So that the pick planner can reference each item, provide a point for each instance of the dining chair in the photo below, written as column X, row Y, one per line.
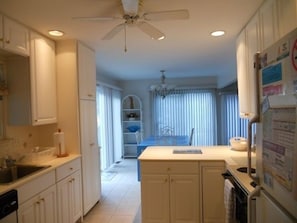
column 191, row 137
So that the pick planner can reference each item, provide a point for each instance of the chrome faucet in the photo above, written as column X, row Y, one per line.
column 8, row 162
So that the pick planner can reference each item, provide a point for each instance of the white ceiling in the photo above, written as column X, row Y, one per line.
column 187, row 51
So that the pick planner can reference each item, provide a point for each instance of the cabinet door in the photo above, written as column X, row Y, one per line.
column 269, row 23
column 39, row 209
column 252, row 31
column 76, row 196
column 86, row 72
column 27, row 212
column 69, row 199
column 47, row 206
column 155, row 198
column 241, row 55
column 287, row 13
column 16, row 37
column 1, row 32
column 184, row 198
column 212, row 193
column 90, row 154
column 43, row 80
column 64, row 200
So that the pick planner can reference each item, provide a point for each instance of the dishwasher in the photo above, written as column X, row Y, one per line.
column 8, row 207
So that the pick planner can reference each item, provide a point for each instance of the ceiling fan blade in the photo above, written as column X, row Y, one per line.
column 114, row 31
column 130, row 7
column 97, row 18
column 150, row 30
column 167, row 15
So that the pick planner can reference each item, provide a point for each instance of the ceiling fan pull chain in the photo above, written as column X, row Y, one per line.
column 125, row 38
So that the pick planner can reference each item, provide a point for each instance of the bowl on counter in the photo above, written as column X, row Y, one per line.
column 238, row 143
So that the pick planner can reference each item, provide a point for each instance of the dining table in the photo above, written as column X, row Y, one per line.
column 164, row 140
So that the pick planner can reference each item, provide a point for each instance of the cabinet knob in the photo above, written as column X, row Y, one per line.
column 71, row 168
column 168, row 169
column 165, row 180
column 7, row 41
column 1, row 39
column 90, row 95
column 92, row 144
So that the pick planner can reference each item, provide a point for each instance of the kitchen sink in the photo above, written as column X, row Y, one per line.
column 187, row 151
column 16, row 172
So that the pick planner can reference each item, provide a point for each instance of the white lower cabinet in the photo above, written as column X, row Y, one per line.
column 69, row 199
column 54, row 197
column 212, row 191
column 37, row 200
column 170, row 192
column 69, row 192
column 39, row 209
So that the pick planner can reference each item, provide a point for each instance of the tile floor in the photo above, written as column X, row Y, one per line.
column 120, row 200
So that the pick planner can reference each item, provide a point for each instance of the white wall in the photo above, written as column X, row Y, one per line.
column 225, row 80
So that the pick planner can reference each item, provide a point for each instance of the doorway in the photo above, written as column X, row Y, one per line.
column 109, row 125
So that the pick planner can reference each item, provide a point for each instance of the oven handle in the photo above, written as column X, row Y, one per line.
column 253, row 194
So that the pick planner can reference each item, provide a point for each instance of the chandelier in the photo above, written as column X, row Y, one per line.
column 162, row 89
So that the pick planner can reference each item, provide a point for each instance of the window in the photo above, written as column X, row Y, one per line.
column 184, row 110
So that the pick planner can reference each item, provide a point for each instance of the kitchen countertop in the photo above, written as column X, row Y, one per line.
column 233, row 159
column 53, row 165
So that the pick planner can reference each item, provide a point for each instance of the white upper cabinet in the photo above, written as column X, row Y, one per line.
column 269, row 23
column 14, row 37
column 87, row 72
column 274, row 19
column 43, row 80
column 32, row 96
column 287, row 13
column 248, row 44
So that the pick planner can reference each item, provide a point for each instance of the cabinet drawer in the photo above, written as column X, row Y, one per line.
column 155, row 167
column 35, row 186
column 67, row 169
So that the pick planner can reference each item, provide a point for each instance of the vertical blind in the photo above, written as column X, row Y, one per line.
column 232, row 124
column 186, row 109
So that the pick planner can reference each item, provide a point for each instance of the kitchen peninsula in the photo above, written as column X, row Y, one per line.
column 187, row 186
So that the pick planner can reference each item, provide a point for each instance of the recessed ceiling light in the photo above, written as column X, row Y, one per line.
column 56, row 33
column 218, row 33
column 161, row 38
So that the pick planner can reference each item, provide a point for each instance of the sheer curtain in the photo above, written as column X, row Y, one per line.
column 187, row 109
column 109, row 125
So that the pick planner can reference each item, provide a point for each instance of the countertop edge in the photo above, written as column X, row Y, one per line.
column 54, row 164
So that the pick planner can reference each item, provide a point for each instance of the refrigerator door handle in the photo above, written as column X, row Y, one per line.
column 256, row 118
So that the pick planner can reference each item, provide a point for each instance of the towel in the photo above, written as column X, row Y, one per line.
column 229, row 201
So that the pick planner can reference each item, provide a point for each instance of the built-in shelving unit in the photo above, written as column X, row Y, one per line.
column 131, row 117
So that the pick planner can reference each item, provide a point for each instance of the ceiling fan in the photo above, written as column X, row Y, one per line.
column 132, row 17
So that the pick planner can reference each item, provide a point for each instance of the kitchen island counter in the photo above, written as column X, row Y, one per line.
column 208, row 153
column 233, row 159
column 178, row 182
